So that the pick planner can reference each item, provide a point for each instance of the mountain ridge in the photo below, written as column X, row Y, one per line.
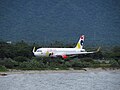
column 65, row 20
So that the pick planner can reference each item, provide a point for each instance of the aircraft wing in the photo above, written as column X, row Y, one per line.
column 75, row 53
column 72, row 53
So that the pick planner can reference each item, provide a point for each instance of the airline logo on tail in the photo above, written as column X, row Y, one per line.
column 80, row 42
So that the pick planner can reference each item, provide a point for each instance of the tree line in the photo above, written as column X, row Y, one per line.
column 19, row 56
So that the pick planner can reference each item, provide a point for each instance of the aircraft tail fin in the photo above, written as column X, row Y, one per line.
column 80, row 42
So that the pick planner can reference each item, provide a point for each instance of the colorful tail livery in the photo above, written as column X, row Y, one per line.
column 80, row 42
column 63, row 52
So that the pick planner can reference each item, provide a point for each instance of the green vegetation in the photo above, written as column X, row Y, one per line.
column 3, row 68
column 20, row 56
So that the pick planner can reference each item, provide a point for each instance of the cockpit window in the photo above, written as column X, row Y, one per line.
column 39, row 50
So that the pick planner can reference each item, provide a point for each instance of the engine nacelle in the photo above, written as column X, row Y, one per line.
column 64, row 56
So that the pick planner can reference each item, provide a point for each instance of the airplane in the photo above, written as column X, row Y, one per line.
column 63, row 52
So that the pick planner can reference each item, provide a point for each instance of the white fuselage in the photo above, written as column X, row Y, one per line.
column 62, row 52
column 53, row 52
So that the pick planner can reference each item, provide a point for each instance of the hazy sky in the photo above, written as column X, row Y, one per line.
column 60, row 20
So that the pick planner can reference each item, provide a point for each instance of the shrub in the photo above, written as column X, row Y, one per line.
column 119, row 62
column 68, row 64
column 3, row 68
column 21, row 59
column 8, row 63
column 32, row 64
column 87, row 60
column 114, row 63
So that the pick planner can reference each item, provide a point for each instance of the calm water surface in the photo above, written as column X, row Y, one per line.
column 104, row 80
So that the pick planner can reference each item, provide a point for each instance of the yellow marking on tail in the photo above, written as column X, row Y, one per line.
column 78, row 45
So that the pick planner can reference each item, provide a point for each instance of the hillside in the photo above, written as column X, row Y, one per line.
column 61, row 20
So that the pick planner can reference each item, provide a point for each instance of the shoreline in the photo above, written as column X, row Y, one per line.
column 14, row 71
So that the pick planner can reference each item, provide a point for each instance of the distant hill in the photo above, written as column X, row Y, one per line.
column 60, row 20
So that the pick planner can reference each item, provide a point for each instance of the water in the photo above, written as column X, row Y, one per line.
column 104, row 80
